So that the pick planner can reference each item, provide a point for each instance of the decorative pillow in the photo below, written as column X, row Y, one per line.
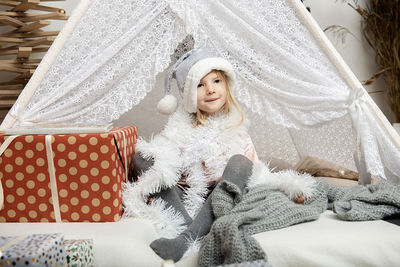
column 321, row 168
column 339, row 181
column 277, row 165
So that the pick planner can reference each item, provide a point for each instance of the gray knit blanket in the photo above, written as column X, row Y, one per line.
column 239, row 215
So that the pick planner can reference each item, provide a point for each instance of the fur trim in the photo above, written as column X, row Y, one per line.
column 194, row 247
column 165, row 171
column 292, row 183
column 166, row 220
column 197, row 72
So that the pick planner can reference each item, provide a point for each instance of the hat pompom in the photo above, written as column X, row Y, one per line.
column 167, row 104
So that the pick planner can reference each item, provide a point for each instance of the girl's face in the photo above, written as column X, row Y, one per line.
column 211, row 92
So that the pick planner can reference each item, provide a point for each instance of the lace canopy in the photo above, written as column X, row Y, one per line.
column 295, row 97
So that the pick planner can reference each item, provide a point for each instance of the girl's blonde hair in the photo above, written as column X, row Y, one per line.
column 202, row 118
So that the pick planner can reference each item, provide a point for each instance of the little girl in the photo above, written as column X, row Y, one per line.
column 205, row 141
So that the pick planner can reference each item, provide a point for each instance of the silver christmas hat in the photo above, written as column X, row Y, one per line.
column 188, row 71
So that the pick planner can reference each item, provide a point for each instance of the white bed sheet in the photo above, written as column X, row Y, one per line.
column 325, row 242
column 333, row 242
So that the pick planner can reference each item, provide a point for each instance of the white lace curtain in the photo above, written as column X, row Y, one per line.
column 111, row 60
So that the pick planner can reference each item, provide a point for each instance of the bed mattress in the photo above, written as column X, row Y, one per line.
column 327, row 241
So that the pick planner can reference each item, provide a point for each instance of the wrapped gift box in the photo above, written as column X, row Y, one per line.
column 53, row 178
column 79, row 253
column 33, row 250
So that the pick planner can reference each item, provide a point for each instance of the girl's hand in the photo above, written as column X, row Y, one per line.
column 301, row 199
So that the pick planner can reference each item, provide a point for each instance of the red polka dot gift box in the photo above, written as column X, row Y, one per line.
column 65, row 178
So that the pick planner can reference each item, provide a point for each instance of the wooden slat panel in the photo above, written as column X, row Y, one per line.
column 26, row 74
column 57, row 16
column 25, row 5
column 19, row 60
column 27, row 66
column 21, row 66
column 41, row 41
column 34, row 26
column 9, row 3
column 15, row 81
column 12, row 87
column 11, row 21
column 32, row 34
column 10, row 68
column 40, row 49
column 9, row 52
column 47, row 8
column 11, row 40
column 10, row 92
column 31, row 43
column 15, row 51
column 24, row 52
column 11, row 14
column 7, row 103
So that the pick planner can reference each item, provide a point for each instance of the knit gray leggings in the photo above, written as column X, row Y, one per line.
column 237, row 171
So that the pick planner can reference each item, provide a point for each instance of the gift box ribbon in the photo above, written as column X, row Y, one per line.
column 53, row 182
column 11, row 242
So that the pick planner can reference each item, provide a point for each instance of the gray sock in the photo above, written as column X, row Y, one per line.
column 173, row 249
column 238, row 170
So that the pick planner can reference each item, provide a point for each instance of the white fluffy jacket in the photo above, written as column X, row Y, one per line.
column 182, row 148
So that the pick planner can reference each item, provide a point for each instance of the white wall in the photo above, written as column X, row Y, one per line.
column 355, row 50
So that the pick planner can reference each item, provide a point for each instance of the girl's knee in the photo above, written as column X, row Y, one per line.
column 239, row 165
column 239, row 161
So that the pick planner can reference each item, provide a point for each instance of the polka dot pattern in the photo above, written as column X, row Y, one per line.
column 88, row 170
column 24, row 169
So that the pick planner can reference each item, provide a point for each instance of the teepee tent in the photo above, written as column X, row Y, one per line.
column 300, row 96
